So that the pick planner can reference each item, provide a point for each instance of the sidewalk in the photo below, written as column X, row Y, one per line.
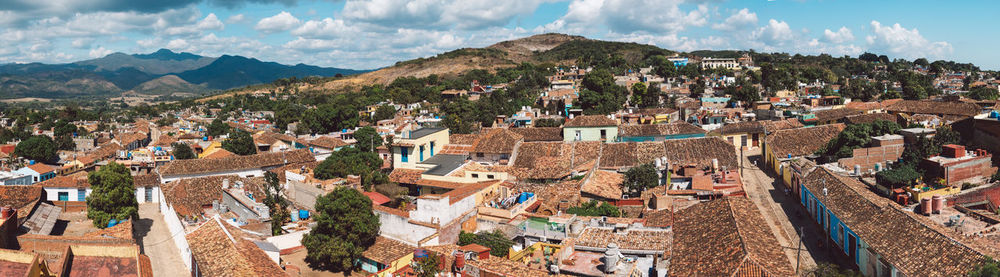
column 154, row 237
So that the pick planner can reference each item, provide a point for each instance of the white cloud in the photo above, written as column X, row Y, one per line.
column 82, row 43
column 738, row 21
column 775, row 32
column 437, row 14
column 907, row 43
column 280, row 22
column 98, row 52
column 210, row 22
column 238, row 18
column 840, row 36
column 662, row 17
column 326, row 28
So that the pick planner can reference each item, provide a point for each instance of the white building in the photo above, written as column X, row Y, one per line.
column 727, row 63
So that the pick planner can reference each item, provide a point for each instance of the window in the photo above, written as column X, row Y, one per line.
column 149, row 194
column 743, row 140
column 63, row 196
column 81, row 195
column 604, row 134
column 474, row 175
column 432, row 149
column 480, row 155
column 421, row 153
column 404, row 152
column 578, row 136
column 490, row 177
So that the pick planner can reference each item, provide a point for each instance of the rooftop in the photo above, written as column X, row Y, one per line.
column 222, row 250
column 801, row 141
column 590, row 121
column 444, row 164
column 422, row 132
column 235, row 163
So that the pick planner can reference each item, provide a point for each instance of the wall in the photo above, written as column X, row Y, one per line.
column 303, row 194
column 439, row 138
column 868, row 157
column 176, row 229
column 399, row 228
column 590, row 133
column 441, row 211
column 140, row 194
column 52, row 194
column 239, row 208
column 246, row 173
column 957, row 172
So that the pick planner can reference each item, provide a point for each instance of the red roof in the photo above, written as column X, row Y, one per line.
column 474, row 248
column 377, row 198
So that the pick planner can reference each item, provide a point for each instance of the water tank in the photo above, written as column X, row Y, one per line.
column 611, row 258
column 304, row 214
column 925, row 206
column 459, row 261
column 420, row 253
column 937, row 203
column 112, row 223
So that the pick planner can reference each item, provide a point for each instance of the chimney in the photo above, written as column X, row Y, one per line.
column 611, row 258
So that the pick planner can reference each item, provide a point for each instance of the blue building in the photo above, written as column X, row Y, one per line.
column 39, row 172
column 876, row 234
column 679, row 62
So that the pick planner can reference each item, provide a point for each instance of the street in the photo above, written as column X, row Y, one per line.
column 783, row 214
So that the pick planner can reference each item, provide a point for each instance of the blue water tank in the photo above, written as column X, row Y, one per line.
column 295, row 217
column 31, row 162
column 303, row 214
column 994, row 114
column 112, row 223
column 420, row 253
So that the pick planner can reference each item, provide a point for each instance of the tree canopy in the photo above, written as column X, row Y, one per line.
column 217, row 128
column 385, row 112
column 345, row 227
column 983, row 93
column 240, row 143
column 182, row 151
column 600, row 94
column 640, row 178
column 367, row 139
column 112, row 195
column 276, row 202
column 595, row 208
column 853, row 137
column 498, row 243
column 352, row 161
column 38, row 148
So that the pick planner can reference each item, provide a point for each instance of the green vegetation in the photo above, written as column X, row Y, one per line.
column 385, row 112
column 595, row 208
column 182, row 151
column 983, row 93
column 218, row 127
column 600, row 94
column 640, row 178
column 615, row 56
column 275, row 201
column 548, row 122
column 989, row 268
column 38, row 148
column 368, row 139
column 907, row 171
column 853, row 137
column 429, row 266
column 352, row 161
column 240, row 143
column 464, row 52
column 498, row 243
column 112, row 195
column 345, row 227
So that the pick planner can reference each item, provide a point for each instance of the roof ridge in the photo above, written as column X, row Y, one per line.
column 732, row 215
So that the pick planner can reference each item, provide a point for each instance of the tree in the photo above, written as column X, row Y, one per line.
column 697, row 88
column 640, row 178
column 868, row 57
column 64, row 142
column 368, row 139
column 218, row 127
column 345, row 227
column 498, row 243
column 664, row 67
column 638, row 93
column 743, row 92
column 428, row 266
column 989, row 268
column 459, row 116
column 240, row 143
column 182, row 151
column 548, row 122
column 385, row 112
column 37, row 148
column 983, row 93
column 600, row 94
column 899, row 176
column 112, row 195
column 274, row 199
column 352, row 161
column 595, row 208
column 831, row 270
column 853, row 137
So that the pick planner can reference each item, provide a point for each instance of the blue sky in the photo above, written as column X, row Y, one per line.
column 364, row 34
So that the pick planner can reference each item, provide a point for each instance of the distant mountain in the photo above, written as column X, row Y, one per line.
column 167, row 85
column 159, row 73
column 157, row 63
column 235, row 71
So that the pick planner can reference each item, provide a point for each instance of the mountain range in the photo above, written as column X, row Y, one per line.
column 163, row 72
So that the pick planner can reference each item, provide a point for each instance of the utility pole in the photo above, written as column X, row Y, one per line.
column 798, row 250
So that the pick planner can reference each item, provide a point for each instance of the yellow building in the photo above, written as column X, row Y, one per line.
column 19, row 263
column 417, row 146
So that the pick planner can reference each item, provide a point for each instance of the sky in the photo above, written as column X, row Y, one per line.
column 369, row 34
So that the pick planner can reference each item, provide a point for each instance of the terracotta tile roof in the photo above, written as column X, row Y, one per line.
column 643, row 130
column 590, row 121
column 120, row 231
column 165, row 140
column 935, row 107
column 456, row 149
column 405, row 176
column 743, row 127
column 801, row 141
column 543, row 160
column 75, row 180
column 617, row 155
column 835, row 114
column 882, row 225
column 328, row 142
column 605, row 184
column 869, row 118
column 377, row 198
column 189, row 196
column 662, row 218
column 540, row 133
column 222, row 250
column 500, row 266
column 388, row 210
column 260, row 160
column 771, row 126
column 41, row 168
column 650, row 240
column 106, row 150
column 463, row 139
column 497, row 141
column 386, row 250
column 656, row 111
column 219, row 153
column 700, row 152
column 20, row 197
column 717, row 238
